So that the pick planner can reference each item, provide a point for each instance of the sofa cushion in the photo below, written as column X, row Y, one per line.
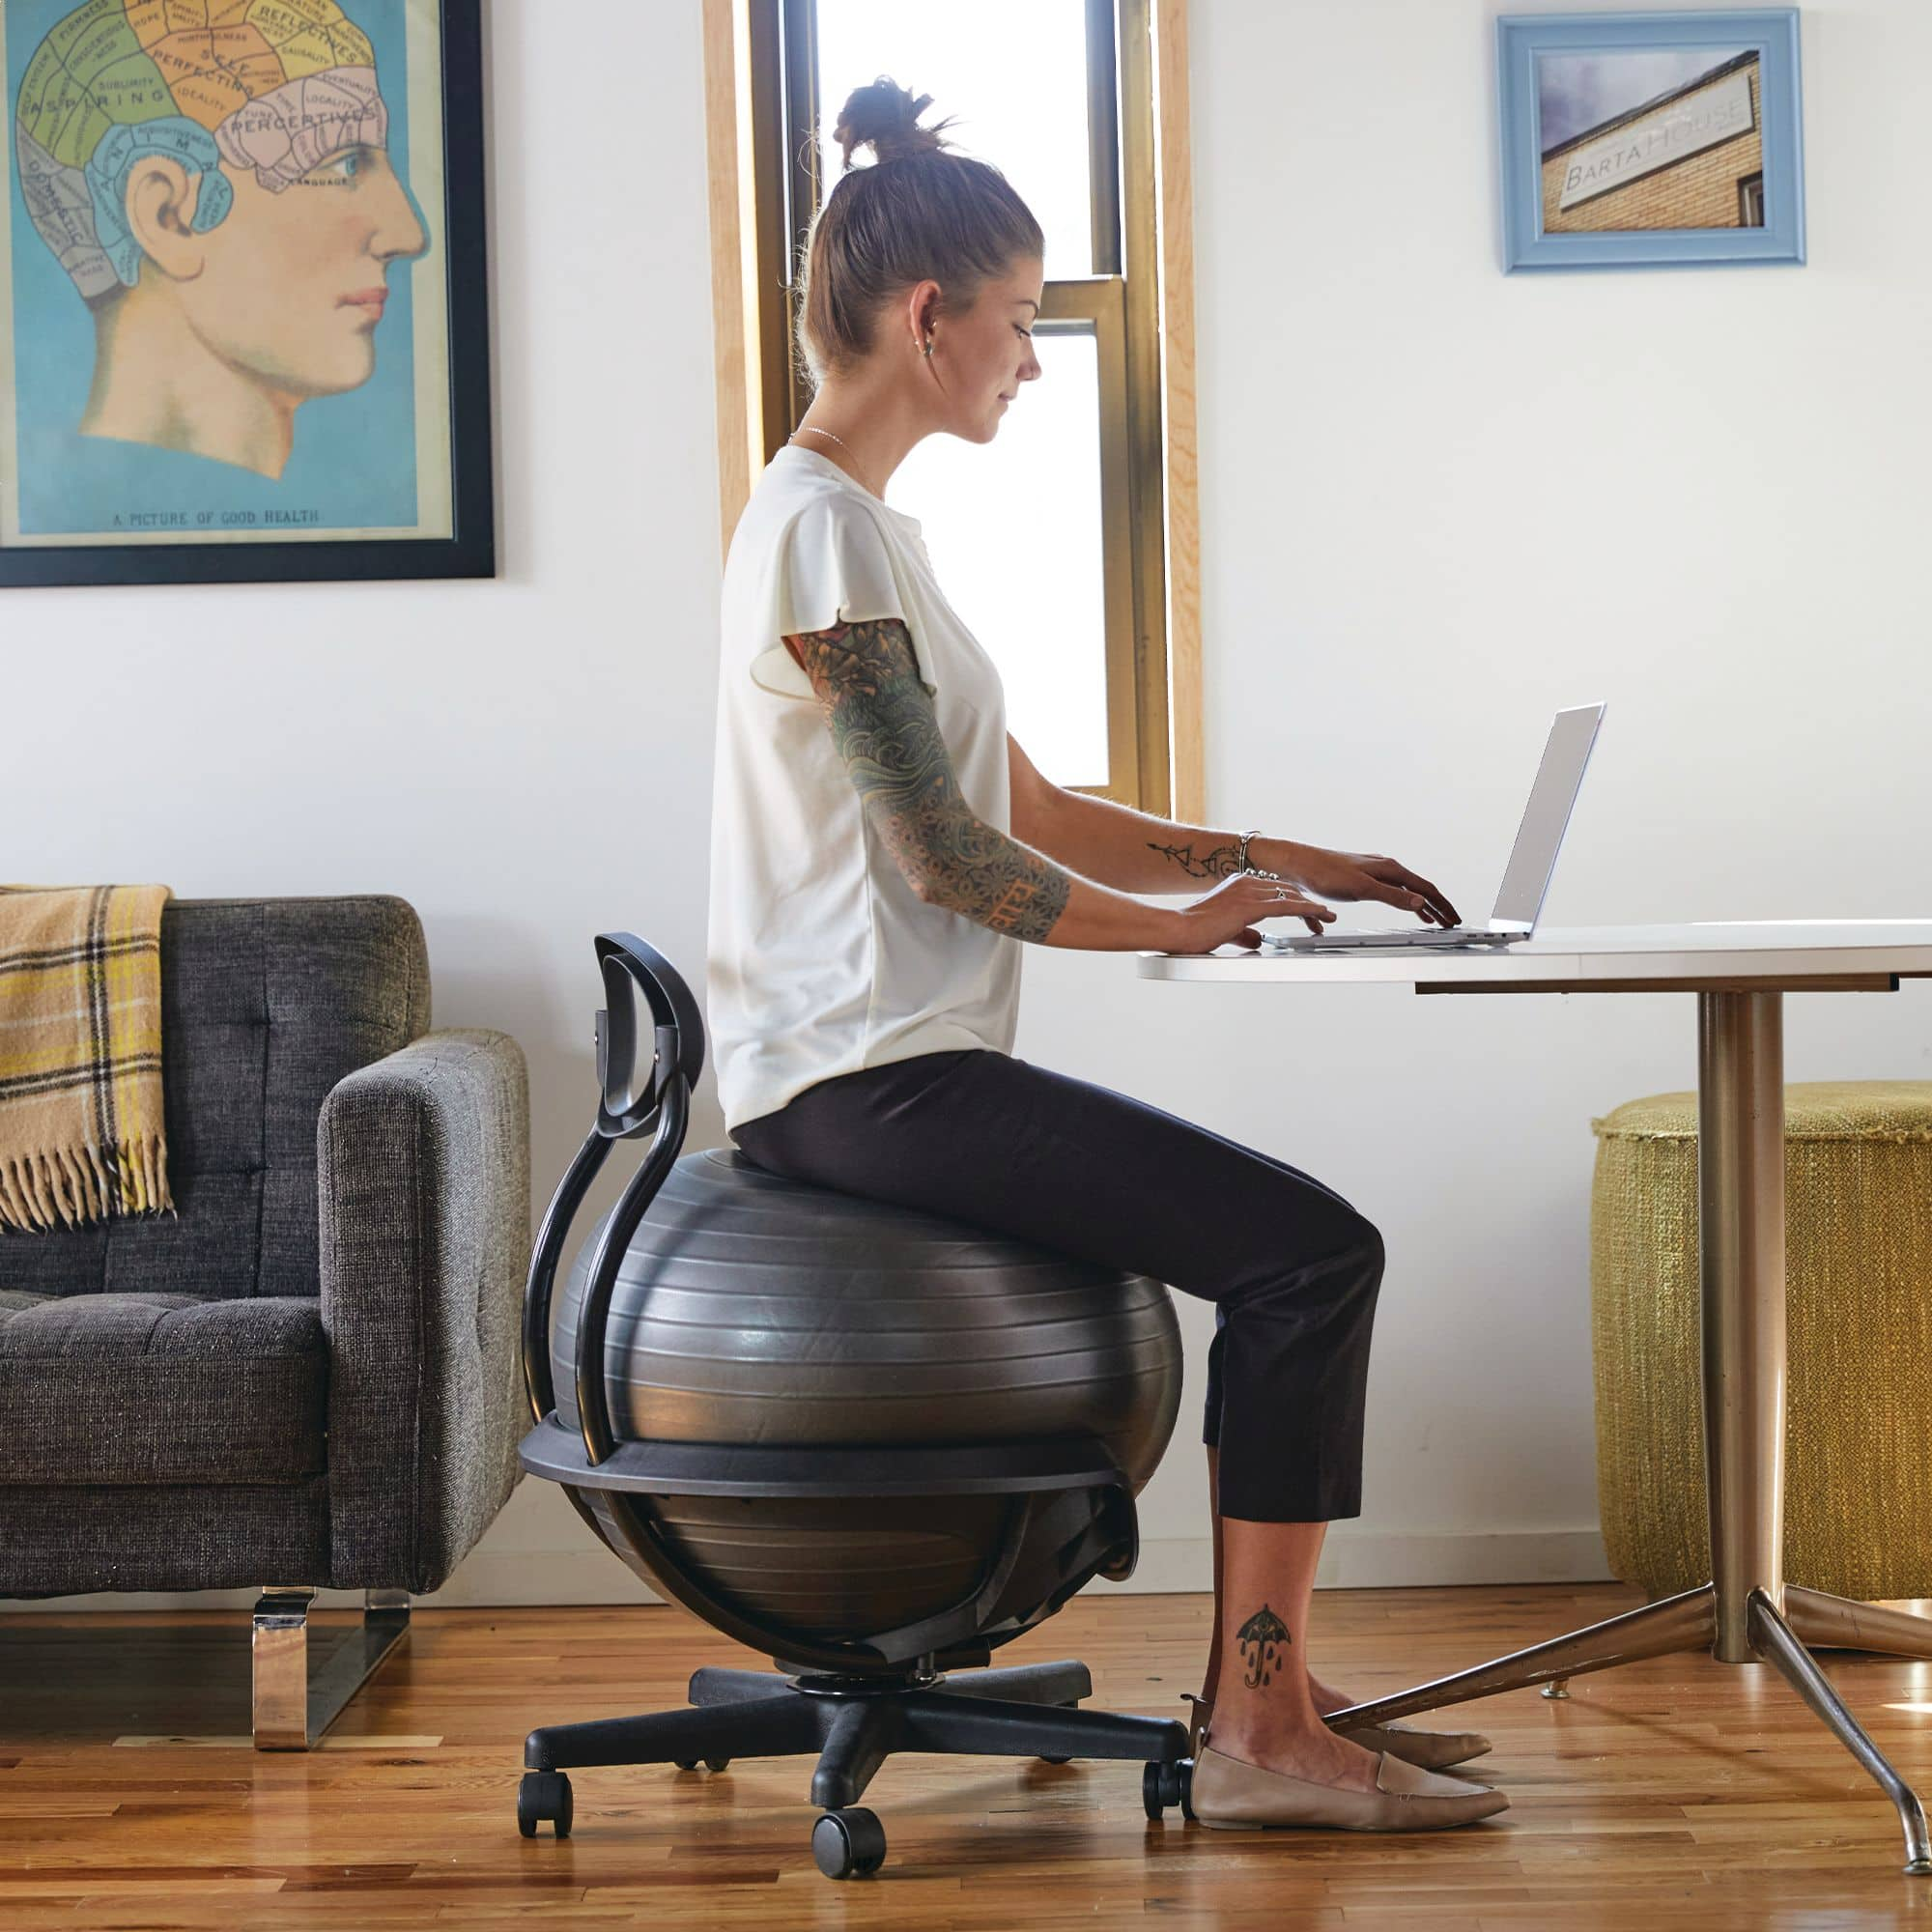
column 265, row 1004
column 161, row 1388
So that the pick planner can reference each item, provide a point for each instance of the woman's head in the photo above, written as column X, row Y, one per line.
column 925, row 261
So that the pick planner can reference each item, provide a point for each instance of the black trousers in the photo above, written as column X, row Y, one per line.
column 1292, row 1269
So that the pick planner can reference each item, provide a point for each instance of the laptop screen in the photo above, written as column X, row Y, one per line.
column 1534, row 857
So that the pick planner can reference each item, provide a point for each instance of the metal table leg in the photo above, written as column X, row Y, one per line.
column 1747, row 1611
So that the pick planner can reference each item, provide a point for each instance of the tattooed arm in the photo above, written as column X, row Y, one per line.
column 1132, row 850
column 866, row 681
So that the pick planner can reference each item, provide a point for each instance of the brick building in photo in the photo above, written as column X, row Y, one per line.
column 1689, row 159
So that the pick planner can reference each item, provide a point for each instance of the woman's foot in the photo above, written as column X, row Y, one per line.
column 1325, row 1699
column 1431, row 1750
column 1313, row 1754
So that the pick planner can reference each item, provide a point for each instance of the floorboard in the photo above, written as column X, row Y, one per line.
column 1665, row 1796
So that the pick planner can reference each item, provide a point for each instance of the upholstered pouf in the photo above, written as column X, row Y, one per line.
column 1858, row 1319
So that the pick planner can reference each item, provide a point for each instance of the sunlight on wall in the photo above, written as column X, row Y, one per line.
column 1013, row 527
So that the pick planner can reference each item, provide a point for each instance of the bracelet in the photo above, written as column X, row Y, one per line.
column 1241, row 859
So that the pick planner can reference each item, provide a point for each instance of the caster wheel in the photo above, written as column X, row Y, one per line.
column 1044, row 1759
column 848, row 1844
column 715, row 1762
column 540, row 1795
column 1163, row 1784
column 685, row 1763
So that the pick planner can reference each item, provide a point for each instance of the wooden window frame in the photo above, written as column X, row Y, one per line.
column 1143, row 322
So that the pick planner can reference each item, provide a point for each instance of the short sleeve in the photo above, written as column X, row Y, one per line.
column 833, row 566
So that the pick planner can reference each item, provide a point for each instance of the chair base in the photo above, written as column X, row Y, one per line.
column 290, row 1710
column 853, row 1725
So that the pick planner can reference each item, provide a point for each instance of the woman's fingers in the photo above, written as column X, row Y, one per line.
column 1421, row 896
column 1284, row 902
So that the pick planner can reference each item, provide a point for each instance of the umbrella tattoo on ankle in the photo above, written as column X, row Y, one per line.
column 1262, row 1632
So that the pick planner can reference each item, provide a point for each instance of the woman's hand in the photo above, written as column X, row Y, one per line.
column 1355, row 875
column 1228, row 913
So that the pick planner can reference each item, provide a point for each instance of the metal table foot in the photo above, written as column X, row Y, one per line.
column 1684, row 1622
column 1827, row 1622
column 1772, row 1639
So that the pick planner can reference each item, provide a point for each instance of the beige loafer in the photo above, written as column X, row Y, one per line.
column 1433, row 1750
column 1231, row 1795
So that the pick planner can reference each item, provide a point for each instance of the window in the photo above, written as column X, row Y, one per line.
column 1053, row 540
column 1751, row 202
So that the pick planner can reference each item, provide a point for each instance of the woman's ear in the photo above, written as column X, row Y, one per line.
column 159, row 201
column 922, row 308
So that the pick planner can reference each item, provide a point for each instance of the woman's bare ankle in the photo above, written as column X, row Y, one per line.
column 1323, row 1696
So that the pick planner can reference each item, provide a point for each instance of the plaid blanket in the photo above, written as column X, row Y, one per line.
column 81, row 1122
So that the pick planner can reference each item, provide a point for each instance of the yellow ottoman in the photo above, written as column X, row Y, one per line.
column 1857, row 1498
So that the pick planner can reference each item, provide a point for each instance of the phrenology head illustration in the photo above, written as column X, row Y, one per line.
column 177, row 150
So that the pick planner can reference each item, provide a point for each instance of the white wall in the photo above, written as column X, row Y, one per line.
column 1437, row 502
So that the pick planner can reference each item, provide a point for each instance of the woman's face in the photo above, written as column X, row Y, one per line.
column 294, row 281
column 984, row 356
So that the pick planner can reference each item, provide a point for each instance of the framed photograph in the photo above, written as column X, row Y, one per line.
column 1643, row 140
column 243, row 303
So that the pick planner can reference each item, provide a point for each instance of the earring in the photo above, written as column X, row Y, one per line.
column 929, row 345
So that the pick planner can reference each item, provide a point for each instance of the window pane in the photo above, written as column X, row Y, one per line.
column 1013, row 72
column 1013, row 527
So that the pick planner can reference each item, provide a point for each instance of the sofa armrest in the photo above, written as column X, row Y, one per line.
column 424, row 1179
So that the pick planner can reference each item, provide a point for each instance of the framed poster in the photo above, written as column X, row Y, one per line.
column 243, row 301
column 1641, row 140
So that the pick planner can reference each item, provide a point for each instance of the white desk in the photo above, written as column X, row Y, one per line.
column 1740, row 971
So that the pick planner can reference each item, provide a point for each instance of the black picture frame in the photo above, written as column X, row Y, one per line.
column 470, row 550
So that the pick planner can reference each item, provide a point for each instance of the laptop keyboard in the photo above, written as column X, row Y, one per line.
column 1430, row 935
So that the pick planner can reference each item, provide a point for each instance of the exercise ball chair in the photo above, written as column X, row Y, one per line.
column 871, row 1443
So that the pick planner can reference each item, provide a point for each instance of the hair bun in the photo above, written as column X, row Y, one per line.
column 884, row 117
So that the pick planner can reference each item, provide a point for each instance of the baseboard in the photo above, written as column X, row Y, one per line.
column 1350, row 1559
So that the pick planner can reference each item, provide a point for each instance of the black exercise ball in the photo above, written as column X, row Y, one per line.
column 752, row 1309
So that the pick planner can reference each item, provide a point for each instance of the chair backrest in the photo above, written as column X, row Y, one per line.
column 265, row 1004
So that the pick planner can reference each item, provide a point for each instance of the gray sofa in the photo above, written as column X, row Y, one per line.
column 311, row 1378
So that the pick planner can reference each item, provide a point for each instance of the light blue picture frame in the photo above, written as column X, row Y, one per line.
column 1522, row 39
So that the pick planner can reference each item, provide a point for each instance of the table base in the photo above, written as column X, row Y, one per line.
column 1689, row 1622
column 1747, row 1611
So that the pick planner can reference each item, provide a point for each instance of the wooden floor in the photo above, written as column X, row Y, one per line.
column 1675, row 1793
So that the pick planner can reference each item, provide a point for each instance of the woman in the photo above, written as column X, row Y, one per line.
column 881, row 847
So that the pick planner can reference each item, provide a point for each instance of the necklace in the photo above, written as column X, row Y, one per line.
column 842, row 445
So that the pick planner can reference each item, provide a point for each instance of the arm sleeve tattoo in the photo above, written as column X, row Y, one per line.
column 866, row 681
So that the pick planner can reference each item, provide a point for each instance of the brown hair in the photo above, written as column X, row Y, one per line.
column 920, row 210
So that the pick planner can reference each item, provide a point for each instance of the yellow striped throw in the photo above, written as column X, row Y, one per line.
column 81, row 1122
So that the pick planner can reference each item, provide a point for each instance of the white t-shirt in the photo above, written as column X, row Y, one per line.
column 821, row 958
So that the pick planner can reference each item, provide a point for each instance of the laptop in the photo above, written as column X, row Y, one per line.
column 1532, row 862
